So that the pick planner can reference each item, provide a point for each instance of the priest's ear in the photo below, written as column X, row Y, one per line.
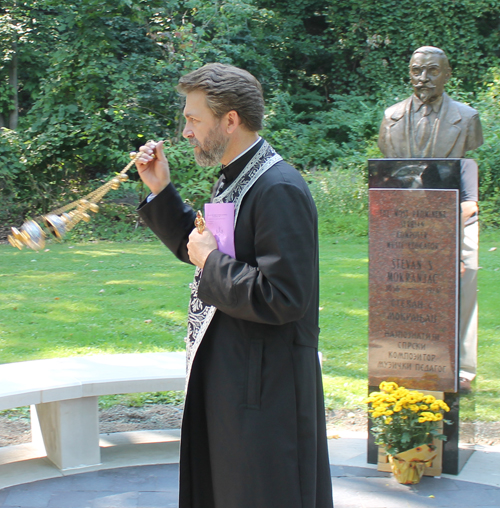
column 232, row 121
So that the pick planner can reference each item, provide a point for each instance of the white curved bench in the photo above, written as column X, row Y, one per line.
column 63, row 395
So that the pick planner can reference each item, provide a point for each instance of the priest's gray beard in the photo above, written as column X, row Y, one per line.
column 210, row 153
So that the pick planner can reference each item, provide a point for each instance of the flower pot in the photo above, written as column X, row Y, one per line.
column 408, row 467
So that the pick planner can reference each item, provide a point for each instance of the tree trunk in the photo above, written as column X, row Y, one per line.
column 13, row 82
column 180, row 126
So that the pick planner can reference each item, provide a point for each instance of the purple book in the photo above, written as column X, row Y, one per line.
column 219, row 219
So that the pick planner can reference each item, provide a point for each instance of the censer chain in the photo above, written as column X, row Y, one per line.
column 60, row 221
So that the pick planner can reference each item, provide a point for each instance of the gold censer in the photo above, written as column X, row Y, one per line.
column 57, row 223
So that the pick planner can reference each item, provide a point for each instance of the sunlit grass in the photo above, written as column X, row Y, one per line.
column 343, row 320
column 132, row 297
column 344, row 324
column 488, row 380
column 91, row 299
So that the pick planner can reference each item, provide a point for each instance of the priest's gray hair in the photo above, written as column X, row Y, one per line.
column 228, row 88
column 434, row 51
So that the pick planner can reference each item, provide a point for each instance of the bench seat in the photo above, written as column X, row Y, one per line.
column 63, row 395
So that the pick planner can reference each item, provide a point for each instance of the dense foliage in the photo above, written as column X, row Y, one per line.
column 84, row 82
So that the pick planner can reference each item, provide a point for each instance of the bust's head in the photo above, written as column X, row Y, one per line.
column 429, row 72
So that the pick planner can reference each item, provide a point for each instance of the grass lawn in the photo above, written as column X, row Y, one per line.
column 89, row 299
column 344, row 323
column 82, row 299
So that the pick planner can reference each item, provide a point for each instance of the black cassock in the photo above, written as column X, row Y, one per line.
column 253, row 432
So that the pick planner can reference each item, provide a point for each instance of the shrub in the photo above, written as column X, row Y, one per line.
column 341, row 196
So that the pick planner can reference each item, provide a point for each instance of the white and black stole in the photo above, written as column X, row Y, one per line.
column 201, row 314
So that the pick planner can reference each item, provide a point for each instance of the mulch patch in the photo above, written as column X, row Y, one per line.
column 16, row 429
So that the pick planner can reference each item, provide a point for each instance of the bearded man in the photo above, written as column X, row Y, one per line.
column 253, row 432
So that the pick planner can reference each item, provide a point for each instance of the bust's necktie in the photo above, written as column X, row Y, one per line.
column 424, row 127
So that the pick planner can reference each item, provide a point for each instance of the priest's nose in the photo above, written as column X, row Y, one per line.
column 187, row 132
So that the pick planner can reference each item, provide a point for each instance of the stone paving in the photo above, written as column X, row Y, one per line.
column 127, row 487
column 156, row 487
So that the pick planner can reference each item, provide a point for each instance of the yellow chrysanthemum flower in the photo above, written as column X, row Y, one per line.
column 418, row 397
column 426, row 417
column 388, row 386
column 444, row 405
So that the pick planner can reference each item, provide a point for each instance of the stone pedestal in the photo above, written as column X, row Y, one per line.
column 70, row 431
column 414, row 283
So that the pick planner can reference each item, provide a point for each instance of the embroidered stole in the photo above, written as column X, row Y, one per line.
column 201, row 314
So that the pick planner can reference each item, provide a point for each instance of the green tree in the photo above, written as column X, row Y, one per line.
column 361, row 46
column 96, row 78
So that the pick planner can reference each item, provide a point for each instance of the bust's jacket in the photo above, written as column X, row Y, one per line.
column 458, row 130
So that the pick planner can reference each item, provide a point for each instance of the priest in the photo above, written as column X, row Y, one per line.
column 253, row 431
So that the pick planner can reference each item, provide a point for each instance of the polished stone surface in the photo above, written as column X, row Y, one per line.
column 413, row 281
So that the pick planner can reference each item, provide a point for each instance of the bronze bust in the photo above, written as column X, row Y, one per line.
column 429, row 123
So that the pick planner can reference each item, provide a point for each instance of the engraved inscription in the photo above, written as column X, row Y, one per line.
column 413, row 296
column 409, row 317
column 424, row 278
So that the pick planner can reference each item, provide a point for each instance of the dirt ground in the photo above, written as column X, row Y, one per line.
column 16, row 430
